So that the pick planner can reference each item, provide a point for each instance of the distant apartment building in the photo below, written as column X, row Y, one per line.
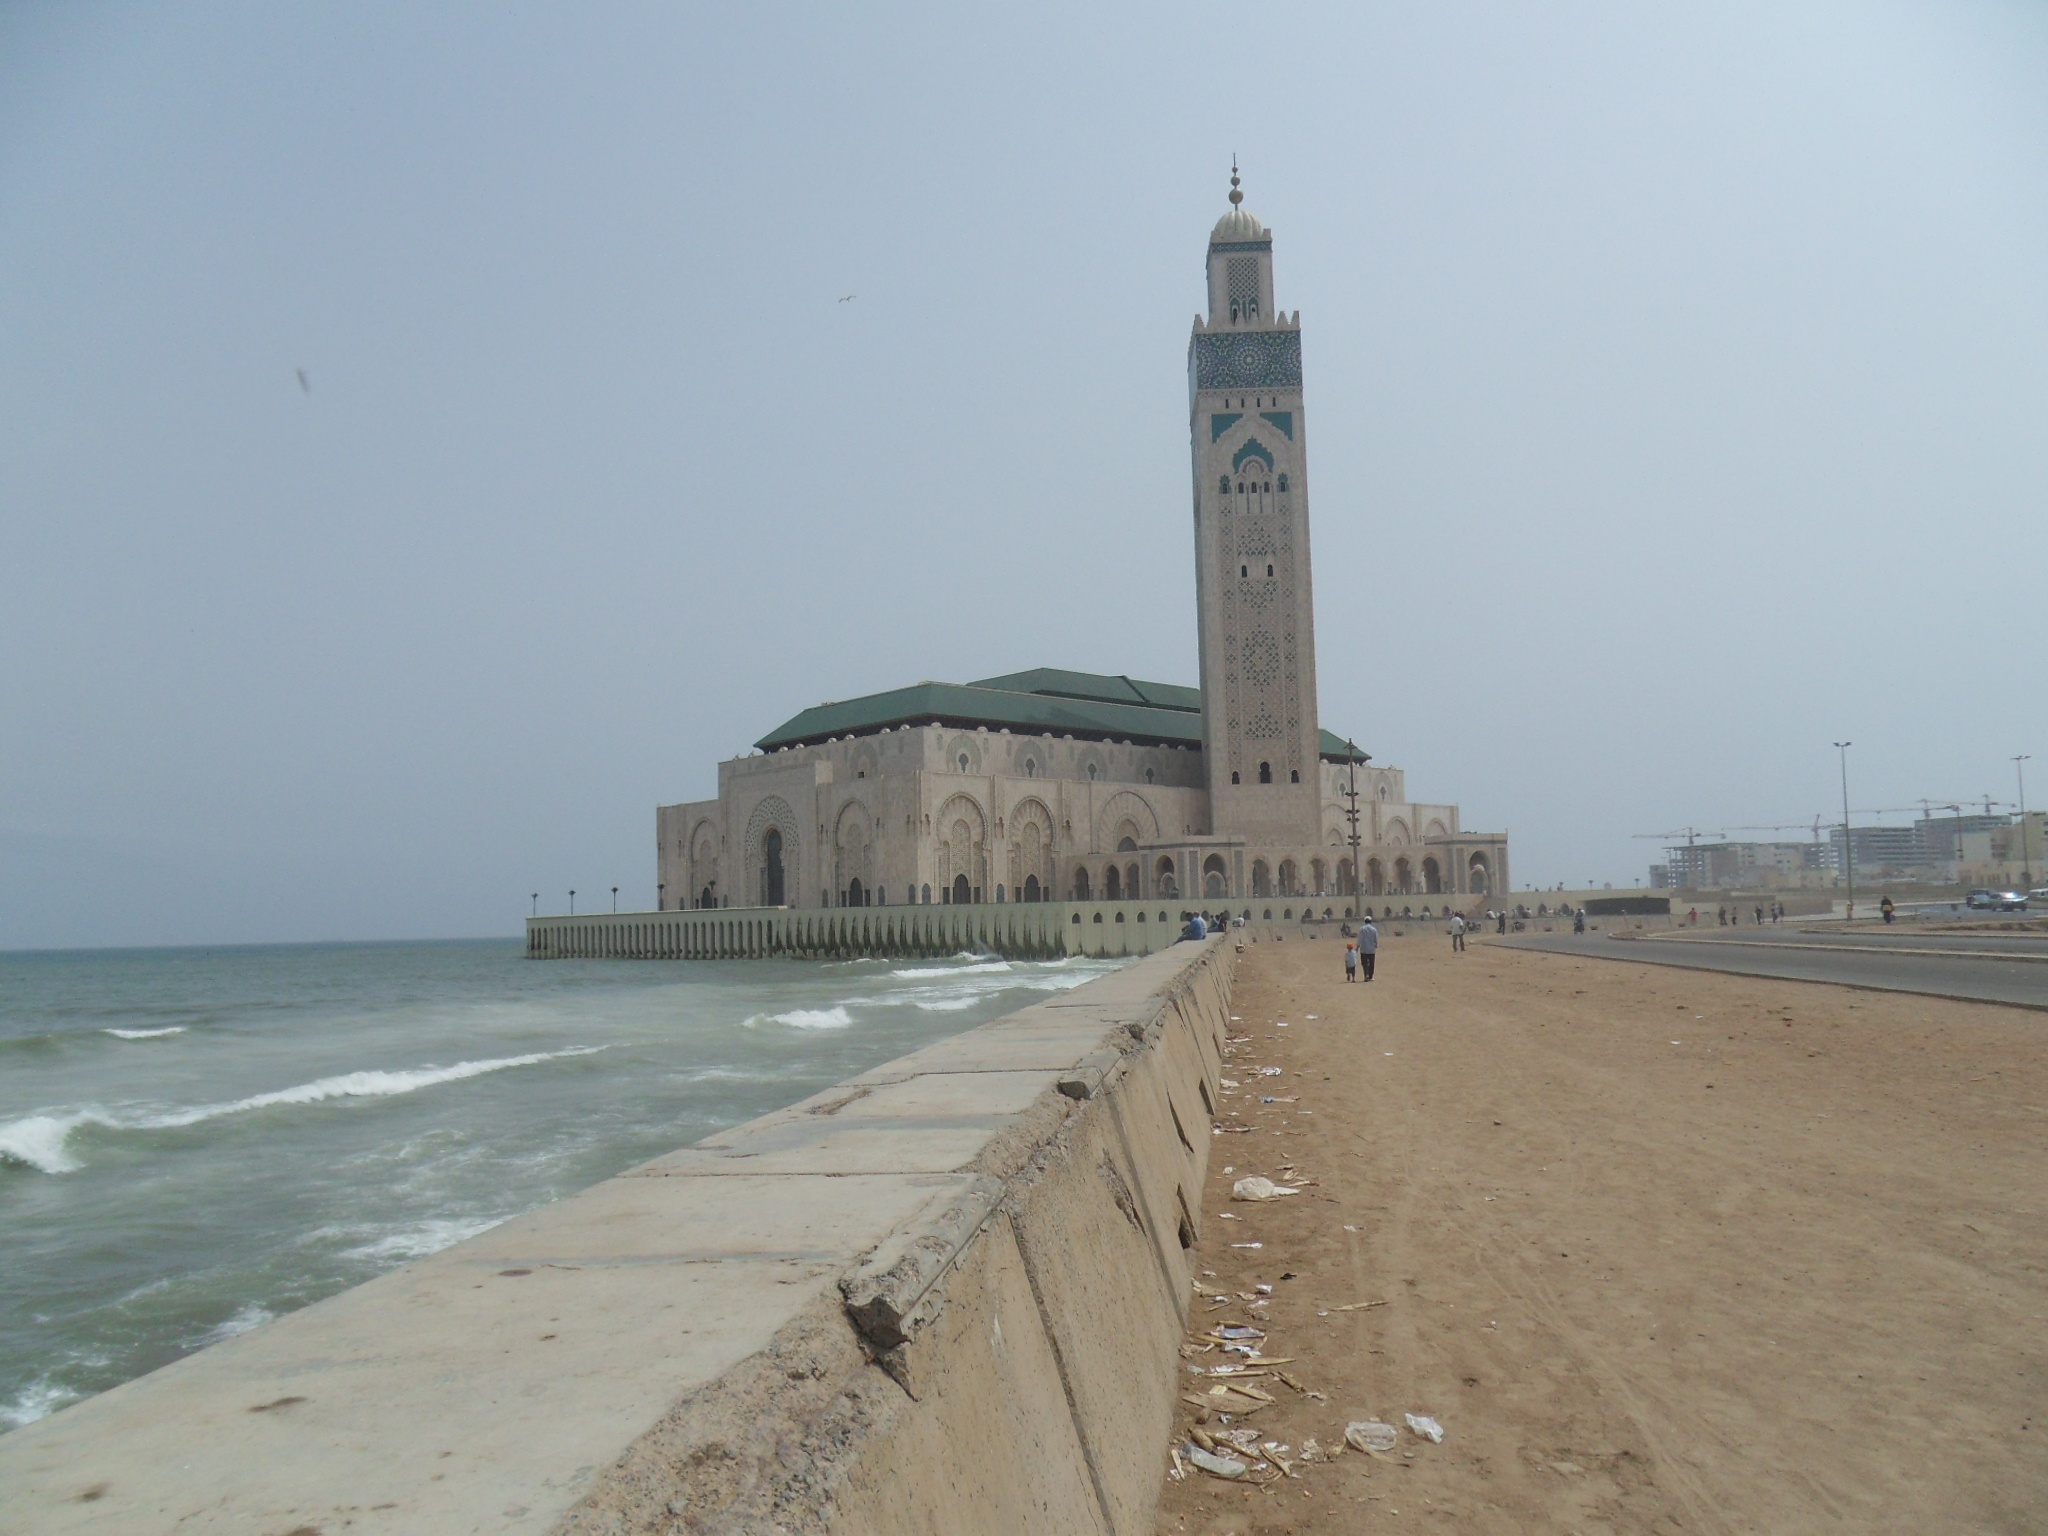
column 1986, row 848
column 1727, row 866
column 1888, row 850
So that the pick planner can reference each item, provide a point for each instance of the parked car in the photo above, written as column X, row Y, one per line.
column 1996, row 901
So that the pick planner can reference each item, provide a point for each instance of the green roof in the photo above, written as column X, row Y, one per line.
column 1044, row 701
column 1097, row 689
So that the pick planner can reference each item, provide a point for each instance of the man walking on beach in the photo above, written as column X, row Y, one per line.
column 1368, row 947
column 1458, row 932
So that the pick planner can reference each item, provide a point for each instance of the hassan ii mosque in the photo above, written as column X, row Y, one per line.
column 1068, row 786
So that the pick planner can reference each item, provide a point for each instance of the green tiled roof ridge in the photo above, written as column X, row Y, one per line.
column 1064, row 703
column 1096, row 687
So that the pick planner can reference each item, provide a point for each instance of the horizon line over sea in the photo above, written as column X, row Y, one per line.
column 197, row 1138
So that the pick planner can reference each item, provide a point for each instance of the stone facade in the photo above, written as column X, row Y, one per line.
column 896, row 818
column 1062, row 786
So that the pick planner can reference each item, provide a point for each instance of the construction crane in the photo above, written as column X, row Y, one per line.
column 1690, row 834
column 1784, row 826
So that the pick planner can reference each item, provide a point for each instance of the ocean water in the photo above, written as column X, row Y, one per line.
column 196, row 1141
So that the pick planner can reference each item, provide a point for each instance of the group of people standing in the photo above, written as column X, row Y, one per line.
column 1731, row 917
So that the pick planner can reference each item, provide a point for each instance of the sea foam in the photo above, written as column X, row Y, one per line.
column 144, row 1034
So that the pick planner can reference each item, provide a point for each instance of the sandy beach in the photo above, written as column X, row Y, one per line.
column 1660, row 1251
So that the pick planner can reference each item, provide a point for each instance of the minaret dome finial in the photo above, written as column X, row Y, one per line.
column 1236, row 196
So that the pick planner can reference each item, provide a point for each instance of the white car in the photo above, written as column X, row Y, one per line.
column 1996, row 901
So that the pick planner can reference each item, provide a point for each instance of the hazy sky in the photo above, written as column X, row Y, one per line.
column 1677, row 389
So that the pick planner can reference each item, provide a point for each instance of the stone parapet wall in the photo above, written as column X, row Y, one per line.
column 943, row 1296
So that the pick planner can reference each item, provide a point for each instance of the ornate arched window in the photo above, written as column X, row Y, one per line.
column 1223, row 485
column 1283, row 485
column 1233, row 776
column 1265, row 773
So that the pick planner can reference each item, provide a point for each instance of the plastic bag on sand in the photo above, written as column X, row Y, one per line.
column 1372, row 1435
column 1426, row 1427
column 1216, row 1466
column 1257, row 1188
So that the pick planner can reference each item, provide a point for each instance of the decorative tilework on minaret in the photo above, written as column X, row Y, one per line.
column 1257, row 621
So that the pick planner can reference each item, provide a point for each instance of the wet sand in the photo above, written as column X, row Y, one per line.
column 1664, row 1251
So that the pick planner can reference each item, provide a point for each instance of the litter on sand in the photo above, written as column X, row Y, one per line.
column 1211, row 1463
column 1360, row 1306
column 1257, row 1187
column 1247, row 1245
column 1372, row 1435
column 1426, row 1427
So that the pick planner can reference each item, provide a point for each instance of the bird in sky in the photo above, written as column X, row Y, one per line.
column 848, row 298
column 305, row 384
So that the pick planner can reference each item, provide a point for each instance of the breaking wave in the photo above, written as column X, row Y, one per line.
column 145, row 1034
column 804, row 1018
column 40, row 1141
column 980, row 966
column 38, row 1400
column 423, row 1238
column 248, row 1318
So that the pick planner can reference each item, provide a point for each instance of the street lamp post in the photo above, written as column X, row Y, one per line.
column 1848, row 843
column 536, row 903
column 615, row 899
column 572, row 901
column 2019, row 766
column 661, row 896
column 1357, row 868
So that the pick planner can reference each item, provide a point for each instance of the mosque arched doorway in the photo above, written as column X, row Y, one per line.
column 856, row 895
column 1162, row 878
column 963, row 893
column 1113, row 884
column 771, row 868
column 1404, row 878
column 1031, row 888
column 1432, row 876
column 1081, row 884
column 1479, row 878
column 1262, row 878
column 1215, row 876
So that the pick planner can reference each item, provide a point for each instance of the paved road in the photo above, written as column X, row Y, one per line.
column 1984, row 967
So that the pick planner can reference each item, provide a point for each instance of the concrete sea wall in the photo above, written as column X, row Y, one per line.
column 943, row 1296
column 1021, row 930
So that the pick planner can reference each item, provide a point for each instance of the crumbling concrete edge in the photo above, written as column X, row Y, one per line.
column 907, row 1407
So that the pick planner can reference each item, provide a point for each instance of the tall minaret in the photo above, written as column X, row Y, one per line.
column 1258, row 636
